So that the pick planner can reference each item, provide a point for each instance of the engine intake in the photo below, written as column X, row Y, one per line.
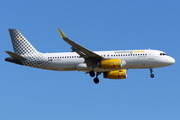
column 118, row 74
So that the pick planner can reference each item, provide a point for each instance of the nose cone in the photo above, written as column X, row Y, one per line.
column 166, row 61
column 171, row 60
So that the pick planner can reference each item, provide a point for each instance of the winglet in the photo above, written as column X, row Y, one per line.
column 61, row 33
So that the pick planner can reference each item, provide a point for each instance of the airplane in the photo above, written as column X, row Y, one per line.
column 112, row 64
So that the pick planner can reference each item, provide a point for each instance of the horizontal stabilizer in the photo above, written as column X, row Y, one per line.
column 15, row 56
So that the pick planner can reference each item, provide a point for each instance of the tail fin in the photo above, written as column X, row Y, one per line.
column 20, row 44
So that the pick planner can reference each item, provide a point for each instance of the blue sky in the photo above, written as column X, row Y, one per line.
column 34, row 94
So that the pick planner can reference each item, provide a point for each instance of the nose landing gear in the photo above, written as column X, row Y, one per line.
column 151, row 71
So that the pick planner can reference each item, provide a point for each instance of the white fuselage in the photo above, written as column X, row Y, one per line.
column 113, row 64
column 133, row 59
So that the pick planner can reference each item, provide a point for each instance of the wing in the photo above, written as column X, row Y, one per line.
column 90, row 57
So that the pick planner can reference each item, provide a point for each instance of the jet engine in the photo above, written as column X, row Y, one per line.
column 118, row 74
column 110, row 64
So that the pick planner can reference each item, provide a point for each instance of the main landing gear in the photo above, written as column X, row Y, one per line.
column 96, row 79
column 92, row 73
column 151, row 71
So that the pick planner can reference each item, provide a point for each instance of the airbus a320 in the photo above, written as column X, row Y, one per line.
column 112, row 64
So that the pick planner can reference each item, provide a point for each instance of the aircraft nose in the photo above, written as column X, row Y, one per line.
column 171, row 60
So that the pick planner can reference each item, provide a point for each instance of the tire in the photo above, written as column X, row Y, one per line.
column 152, row 75
column 96, row 80
column 92, row 73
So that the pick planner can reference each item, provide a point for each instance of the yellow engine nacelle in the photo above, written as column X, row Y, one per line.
column 118, row 74
column 110, row 64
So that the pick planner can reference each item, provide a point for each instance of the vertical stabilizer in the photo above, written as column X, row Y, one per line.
column 20, row 44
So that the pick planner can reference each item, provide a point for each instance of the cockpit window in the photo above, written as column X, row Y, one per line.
column 163, row 54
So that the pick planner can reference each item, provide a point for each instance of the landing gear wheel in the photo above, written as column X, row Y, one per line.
column 96, row 80
column 152, row 75
column 92, row 73
column 151, row 71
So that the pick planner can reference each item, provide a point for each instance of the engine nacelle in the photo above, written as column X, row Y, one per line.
column 110, row 64
column 118, row 74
